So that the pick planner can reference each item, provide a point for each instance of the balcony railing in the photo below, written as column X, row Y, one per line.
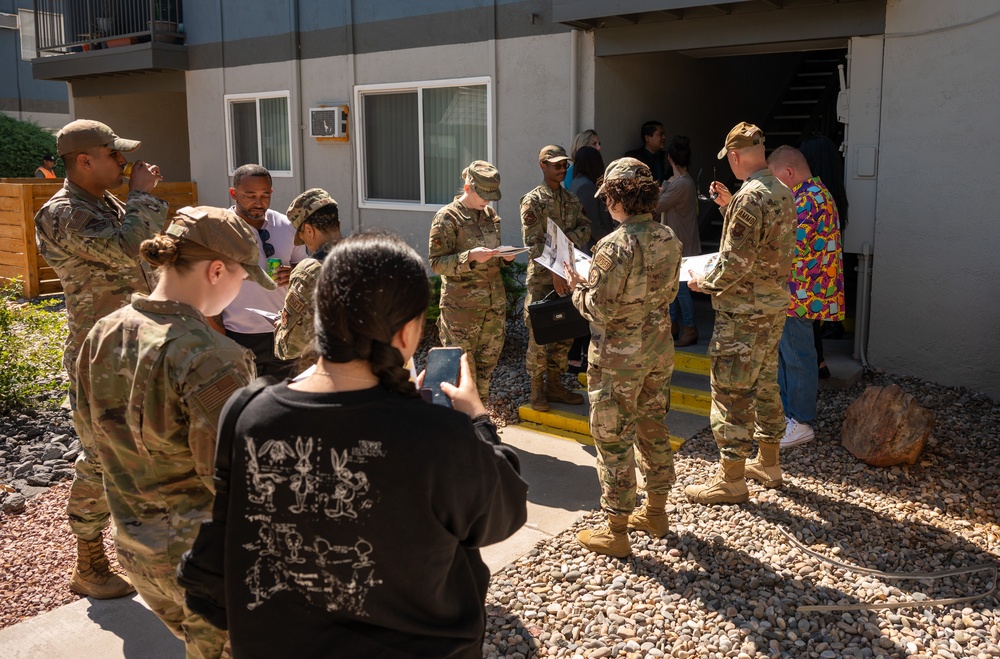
column 69, row 26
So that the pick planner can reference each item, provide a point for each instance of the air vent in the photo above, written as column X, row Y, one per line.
column 328, row 123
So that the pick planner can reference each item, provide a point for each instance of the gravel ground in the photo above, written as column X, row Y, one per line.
column 724, row 583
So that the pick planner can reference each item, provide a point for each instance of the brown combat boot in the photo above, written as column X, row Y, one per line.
column 557, row 391
column 651, row 518
column 92, row 575
column 610, row 540
column 689, row 337
column 538, row 401
column 727, row 486
column 765, row 468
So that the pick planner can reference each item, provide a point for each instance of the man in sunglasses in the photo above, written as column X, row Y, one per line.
column 251, row 194
column 549, row 200
column 91, row 239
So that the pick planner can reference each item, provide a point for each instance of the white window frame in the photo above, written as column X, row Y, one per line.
column 359, row 126
column 257, row 96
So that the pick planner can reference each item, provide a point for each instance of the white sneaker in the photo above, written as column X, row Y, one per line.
column 797, row 433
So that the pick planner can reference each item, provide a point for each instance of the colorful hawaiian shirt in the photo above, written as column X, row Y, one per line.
column 817, row 278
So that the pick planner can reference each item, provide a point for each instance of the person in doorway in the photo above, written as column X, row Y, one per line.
column 546, row 363
column 678, row 205
column 153, row 378
column 749, row 289
column 633, row 279
column 651, row 152
column 251, row 194
column 590, row 168
column 817, row 291
column 48, row 167
column 316, row 218
column 463, row 241
column 91, row 240
column 585, row 138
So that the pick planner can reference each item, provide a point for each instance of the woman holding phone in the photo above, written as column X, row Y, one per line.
column 356, row 509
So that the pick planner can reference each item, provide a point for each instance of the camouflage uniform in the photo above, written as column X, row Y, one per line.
column 473, row 298
column 153, row 378
column 295, row 335
column 93, row 246
column 633, row 279
column 749, row 288
column 565, row 210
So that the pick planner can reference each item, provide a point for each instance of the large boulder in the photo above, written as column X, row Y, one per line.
column 885, row 426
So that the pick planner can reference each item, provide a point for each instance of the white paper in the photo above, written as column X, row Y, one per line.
column 267, row 314
column 559, row 249
column 700, row 265
column 507, row 250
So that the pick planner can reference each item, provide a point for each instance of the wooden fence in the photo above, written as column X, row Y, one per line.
column 20, row 199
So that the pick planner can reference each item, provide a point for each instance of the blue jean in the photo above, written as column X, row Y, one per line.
column 685, row 304
column 798, row 377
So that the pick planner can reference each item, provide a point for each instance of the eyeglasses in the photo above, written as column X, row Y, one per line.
column 562, row 164
column 265, row 235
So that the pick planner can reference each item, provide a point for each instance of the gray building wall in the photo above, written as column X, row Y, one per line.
column 935, row 299
column 45, row 102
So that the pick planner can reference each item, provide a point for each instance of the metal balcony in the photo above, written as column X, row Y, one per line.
column 77, row 38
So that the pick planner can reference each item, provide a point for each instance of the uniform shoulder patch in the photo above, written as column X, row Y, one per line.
column 746, row 217
column 595, row 274
column 529, row 218
column 215, row 394
column 603, row 261
column 78, row 219
column 295, row 302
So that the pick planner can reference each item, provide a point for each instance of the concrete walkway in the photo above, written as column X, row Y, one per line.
column 563, row 487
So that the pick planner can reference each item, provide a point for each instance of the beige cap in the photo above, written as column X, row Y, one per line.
column 552, row 153
column 740, row 137
column 625, row 168
column 485, row 178
column 222, row 232
column 305, row 205
column 85, row 134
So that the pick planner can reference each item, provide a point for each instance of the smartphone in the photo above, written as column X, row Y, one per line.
column 443, row 365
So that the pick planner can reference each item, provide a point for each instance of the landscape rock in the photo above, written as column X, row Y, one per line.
column 886, row 426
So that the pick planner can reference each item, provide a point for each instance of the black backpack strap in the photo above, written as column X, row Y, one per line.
column 224, row 444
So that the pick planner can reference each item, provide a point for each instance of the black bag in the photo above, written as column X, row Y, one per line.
column 201, row 570
column 554, row 318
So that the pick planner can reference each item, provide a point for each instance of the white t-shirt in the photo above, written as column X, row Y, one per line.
column 235, row 317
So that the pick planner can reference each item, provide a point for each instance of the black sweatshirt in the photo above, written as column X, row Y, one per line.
column 354, row 525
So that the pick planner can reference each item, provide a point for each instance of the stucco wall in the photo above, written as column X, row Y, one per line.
column 935, row 300
column 531, row 111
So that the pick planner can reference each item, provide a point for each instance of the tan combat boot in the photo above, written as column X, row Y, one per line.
column 538, row 401
column 557, row 391
column 765, row 468
column 651, row 518
column 92, row 575
column 610, row 540
column 727, row 486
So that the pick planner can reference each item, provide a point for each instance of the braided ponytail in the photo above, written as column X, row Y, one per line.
column 370, row 286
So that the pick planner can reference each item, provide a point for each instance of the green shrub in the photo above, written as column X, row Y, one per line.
column 513, row 275
column 22, row 145
column 434, row 306
column 32, row 335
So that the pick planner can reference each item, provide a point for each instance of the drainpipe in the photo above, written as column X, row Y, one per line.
column 864, row 304
column 574, row 47
column 293, row 10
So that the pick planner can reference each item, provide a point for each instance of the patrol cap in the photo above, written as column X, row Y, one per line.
column 85, row 134
column 552, row 153
column 222, row 232
column 485, row 178
column 625, row 168
column 740, row 137
column 305, row 205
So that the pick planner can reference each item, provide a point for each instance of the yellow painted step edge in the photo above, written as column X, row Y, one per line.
column 682, row 399
column 539, row 422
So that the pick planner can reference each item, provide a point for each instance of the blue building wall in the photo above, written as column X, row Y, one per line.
column 20, row 93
